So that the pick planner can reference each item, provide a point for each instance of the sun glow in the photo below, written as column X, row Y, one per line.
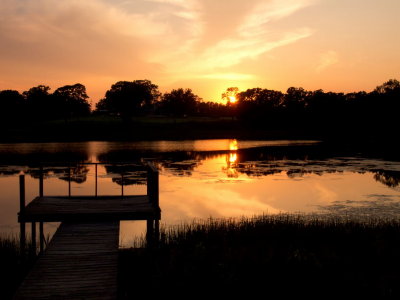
column 232, row 99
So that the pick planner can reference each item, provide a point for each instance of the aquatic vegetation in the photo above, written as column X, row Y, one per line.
column 279, row 255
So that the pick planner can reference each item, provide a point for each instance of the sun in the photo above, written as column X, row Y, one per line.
column 232, row 99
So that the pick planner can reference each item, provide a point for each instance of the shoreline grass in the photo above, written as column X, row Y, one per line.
column 277, row 256
column 268, row 255
column 13, row 269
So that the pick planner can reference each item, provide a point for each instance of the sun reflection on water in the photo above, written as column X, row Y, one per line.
column 231, row 160
column 233, row 145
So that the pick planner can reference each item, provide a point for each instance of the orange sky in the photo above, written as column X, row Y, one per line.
column 205, row 45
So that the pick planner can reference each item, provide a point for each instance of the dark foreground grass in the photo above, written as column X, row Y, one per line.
column 12, row 268
column 273, row 257
column 268, row 256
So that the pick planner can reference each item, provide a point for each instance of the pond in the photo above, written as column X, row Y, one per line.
column 208, row 178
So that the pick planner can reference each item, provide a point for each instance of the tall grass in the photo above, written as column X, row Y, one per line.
column 269, row 256
column 275, row 255
column 12, row 266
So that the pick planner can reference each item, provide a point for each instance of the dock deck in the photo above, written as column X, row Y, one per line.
column 89, row 208
column 79, row 263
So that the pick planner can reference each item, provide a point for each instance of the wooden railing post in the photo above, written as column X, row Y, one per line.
column 21, row 215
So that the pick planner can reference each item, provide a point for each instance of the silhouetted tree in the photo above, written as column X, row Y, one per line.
column 295, row 99
column 229, row 93
column 39, row 102
column 230, row 96
column 129, row 98
column 259, row 105
column 385, row 105
column 389, row 87
column 325, row 108
column 180, row 102
column 71, row 100
column 212, row 109
column 11, row 105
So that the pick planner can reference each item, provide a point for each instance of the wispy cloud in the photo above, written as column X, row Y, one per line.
column 164, row 40
column 231, row 52
column 228, row 76
column 254, row 36
column 326, row 60
column 269, row 11
column 92, row 36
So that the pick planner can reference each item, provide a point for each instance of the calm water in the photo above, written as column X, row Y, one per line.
column 209, row 178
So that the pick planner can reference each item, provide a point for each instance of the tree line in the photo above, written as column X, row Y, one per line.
column 39, row 104
column 255, row 107
column 319, row 109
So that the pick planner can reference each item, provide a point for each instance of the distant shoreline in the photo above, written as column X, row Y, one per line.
column 111, row 128
column 108, row 128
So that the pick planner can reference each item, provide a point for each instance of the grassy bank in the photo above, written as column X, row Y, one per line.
column 112, row 128
column 12, row 270
column 268, row 256
column 277, row 256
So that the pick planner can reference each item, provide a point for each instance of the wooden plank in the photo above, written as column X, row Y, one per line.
column 80, row 263
column 84, row 208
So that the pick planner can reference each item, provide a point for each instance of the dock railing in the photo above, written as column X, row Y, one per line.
column 152, row 193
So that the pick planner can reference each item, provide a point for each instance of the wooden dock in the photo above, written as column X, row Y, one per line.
column 79, row 263
column 82, row 258
column 87, row 208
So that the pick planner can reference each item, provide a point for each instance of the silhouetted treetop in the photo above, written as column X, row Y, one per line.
column 39, row 104
column 11, row 104
column 180, row 102
column 229, row 93
column 129, row 98
column 72, row 100
column 391, row 86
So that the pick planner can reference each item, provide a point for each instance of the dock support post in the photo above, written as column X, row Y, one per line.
column 152, row 184
column 150, row 233
column 41, row 182
column 153, row 226
column 41, row 238
column 95, row 181
column 122, row 185
column 21, row 215
column 157, row 231
column 33, row 232
column 69, row 181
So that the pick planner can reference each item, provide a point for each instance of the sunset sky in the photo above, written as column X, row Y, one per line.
column 205, row 45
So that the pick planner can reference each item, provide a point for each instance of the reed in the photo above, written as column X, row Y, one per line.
column 277, row 255
column 14, row 266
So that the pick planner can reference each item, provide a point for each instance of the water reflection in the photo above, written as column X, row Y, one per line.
column 127, row 174
column 231, row 165
column 222, row 178
column 295, row 162
column 389, row 178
